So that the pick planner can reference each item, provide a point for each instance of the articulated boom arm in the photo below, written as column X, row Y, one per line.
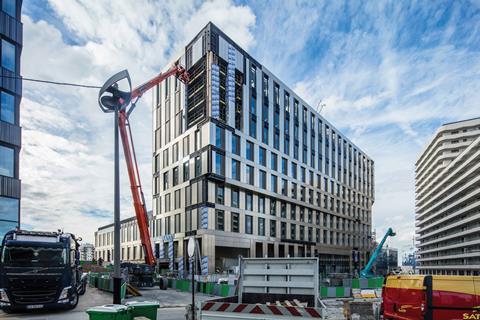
column 121, row 100
column 365, row 272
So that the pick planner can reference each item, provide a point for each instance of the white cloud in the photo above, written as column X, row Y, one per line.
column 66, row 158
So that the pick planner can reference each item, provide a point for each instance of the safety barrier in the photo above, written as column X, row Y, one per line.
column 345, row 291
column 222, row 290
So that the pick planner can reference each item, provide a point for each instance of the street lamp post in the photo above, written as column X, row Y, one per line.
column 117, row 279
column 115, row 103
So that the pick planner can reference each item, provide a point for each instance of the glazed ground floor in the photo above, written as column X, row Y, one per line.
column 219, row 252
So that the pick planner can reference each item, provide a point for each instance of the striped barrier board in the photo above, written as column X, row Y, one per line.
column 273, row 310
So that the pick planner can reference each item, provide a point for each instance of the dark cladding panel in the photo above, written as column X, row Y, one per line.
column 197, row 92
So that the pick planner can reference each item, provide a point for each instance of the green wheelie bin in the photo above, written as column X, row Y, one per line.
column 146, row 309
column 109, row 312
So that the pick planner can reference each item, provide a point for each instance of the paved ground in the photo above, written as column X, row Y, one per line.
column 172, row 305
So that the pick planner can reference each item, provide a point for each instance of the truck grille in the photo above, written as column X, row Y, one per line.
column 40, row 290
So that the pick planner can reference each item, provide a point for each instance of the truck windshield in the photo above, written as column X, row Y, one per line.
column 36, row 256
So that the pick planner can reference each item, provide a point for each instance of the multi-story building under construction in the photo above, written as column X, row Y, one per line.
column 447, row 191
column 248, row 168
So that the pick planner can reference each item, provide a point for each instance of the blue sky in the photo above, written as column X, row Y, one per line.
column 389, row 72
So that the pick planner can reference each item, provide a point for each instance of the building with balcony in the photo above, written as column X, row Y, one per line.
column 247, row 167
column 11, row 32
column 447, row 187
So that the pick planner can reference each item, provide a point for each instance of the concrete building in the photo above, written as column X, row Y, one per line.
column 131, row 246
column 247, row 167
column 447, row 187
column 87, row 252
column 11, row 34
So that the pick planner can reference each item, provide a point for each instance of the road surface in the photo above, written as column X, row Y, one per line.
column 172, row 305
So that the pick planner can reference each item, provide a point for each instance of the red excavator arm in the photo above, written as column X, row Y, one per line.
column 122, row 100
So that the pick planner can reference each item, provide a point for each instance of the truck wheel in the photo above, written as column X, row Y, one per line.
column 74, row 301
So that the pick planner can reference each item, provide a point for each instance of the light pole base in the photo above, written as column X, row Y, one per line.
column 117, row 287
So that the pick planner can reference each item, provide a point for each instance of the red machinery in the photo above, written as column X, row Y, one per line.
column 110, row 98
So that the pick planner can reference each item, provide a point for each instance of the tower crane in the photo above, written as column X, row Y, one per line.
column 111, row 97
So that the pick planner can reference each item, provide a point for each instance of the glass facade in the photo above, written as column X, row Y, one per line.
column 10, row 95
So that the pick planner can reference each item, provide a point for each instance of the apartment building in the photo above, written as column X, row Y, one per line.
column 447, row 187
column 11, row 34
column 87, row 252
column 244, row 165
column 130, row 243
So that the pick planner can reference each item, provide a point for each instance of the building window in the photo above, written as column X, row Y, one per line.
column 253, row 117
column 293, row 231
column 273, row 182
column 294, row 170
column 274, row 161
column 8, row 55
column 167, row 202
column 175, row 176
column 198, row 166
column 219, row 137
column 248, row 224
column 175, row 152
column 249, row 202
column 219, row 164
column 9, row 208
column 261, row 226
column 263, row 179
column 197, row 140
column 235, row 198
column 186, row 146
column 273, row 207
column 250, row 151
column 253, row 77
column 219, row 194
column 263, row 156
column 284, row 187
column 235, row 144
column 273, row 228
column 265, row 131
column 283, row 210
column 286, row 146
column 7, row 161
column 261, row 205
column 165, row 158
column 276, row 140
column 220, row 220
column 250, row 175
column 286, row 101
column 7, row 108
column 165, row 180
column 186, row 171
column 236, row 170
column 188, row 195
column 177, row 223
column 284, row 166
column 235, row 222
column 9, row 7
column 293, row 212
column 283, row 230
column 188, row 220
column 265, row 86
column 177, row 199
